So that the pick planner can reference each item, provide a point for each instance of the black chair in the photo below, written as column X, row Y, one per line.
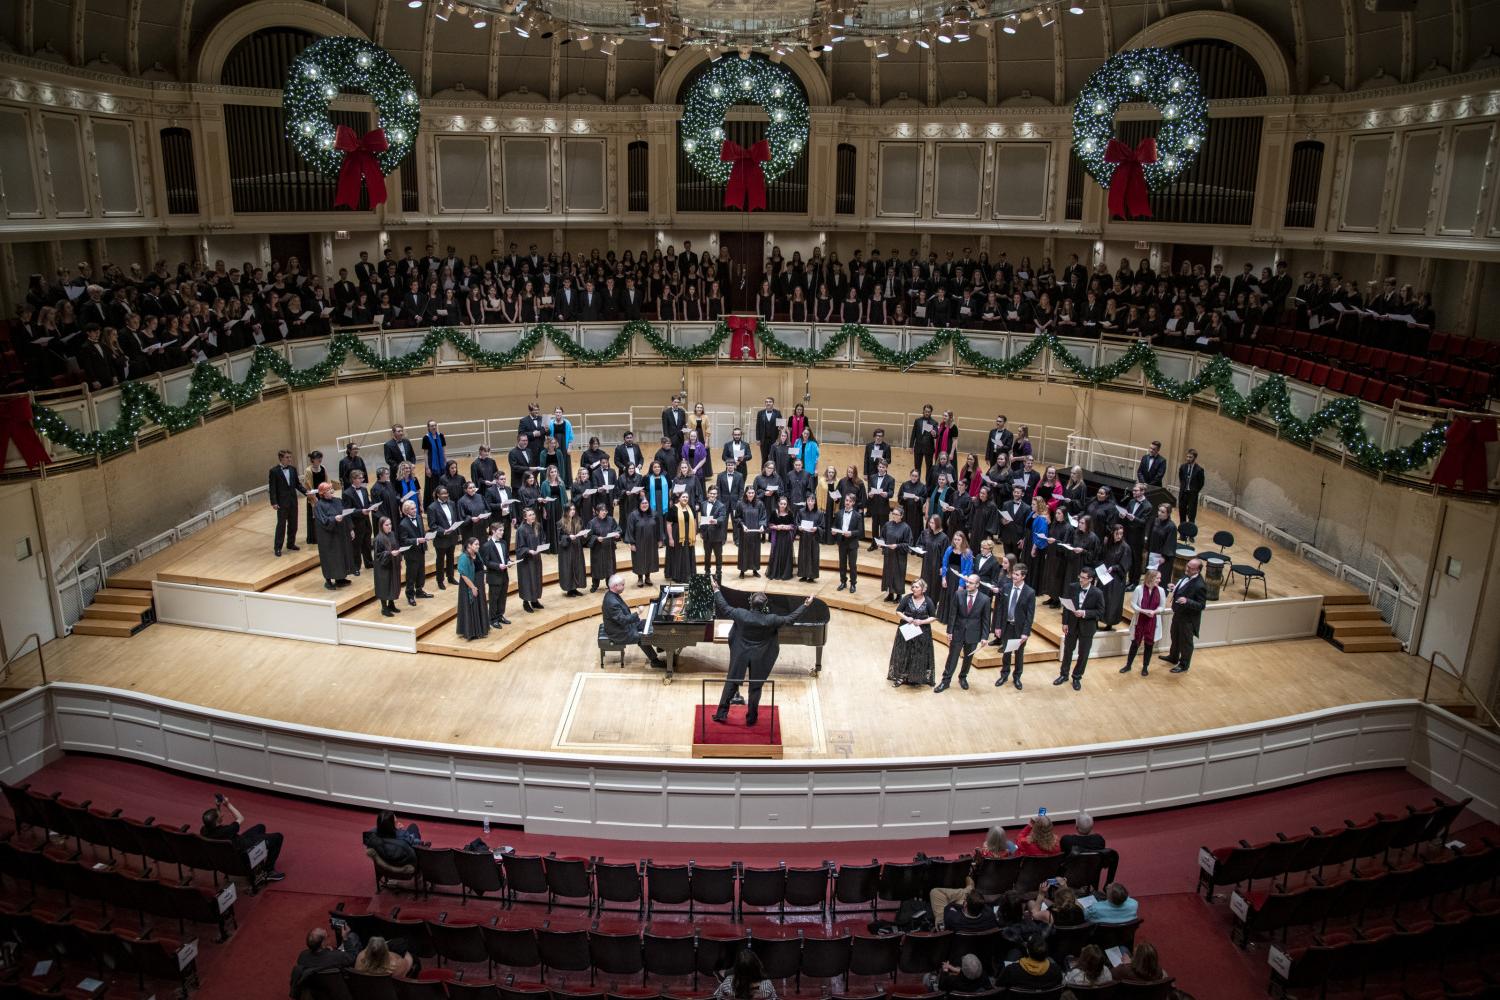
column 766, row 888
column 1105, row 991
column 669, row 955
column 1108, row 936
column 948, row 873
column 988, row 946
column 825, row 955
column 781, row 954
column 460, row 990
column 524, row 873
column 923, row 951
column 1051, row 993
column 564, row 951
column 669, row 885
column 457, row 942
column 875, row 955
column 856, row 885
column 419, row 989
column 1223, row 539
column 512, row 947
column 711, row 885
column 615, row 953
column 366, row 925
column 618, row 882
column 328, row 985
column 569, row 878
column 808, row 887
column 993, row 876
column 1068, row 940
column 479, row 872
column 903, row 880
column 718, row 946
column 1087, row 869
column 1262, row 556
column 436, row 866
column 1035, row 870
column 364, row 986
column 1144, row 991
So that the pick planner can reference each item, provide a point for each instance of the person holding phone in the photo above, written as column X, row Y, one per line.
column 214, row 828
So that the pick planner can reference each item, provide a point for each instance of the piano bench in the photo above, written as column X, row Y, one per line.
column 607, row 646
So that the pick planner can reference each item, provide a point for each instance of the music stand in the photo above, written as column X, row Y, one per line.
column 734, row 738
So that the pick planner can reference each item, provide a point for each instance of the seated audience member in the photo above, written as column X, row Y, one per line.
column 1038, row 839
column 1117, row 906
column 747, row 981
column 318, row 957
column 968, row 976
column 1019, row 923
column 975, row 913
column 379, row 959
column 215, row 829
column 393, row 841
column 1064, row 909
column 1144, row 966
column 995, row 846
column 1083, row 837
column 1090, row 969
column 1034, row 971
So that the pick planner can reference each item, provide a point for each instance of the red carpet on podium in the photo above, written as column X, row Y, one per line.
column 767, row 728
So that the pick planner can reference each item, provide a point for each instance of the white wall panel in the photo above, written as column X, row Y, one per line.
column 900, row 178
column 1022, row 179
column 956, row 187
column 463, row 174
column 65, row 163
column 17, row 168
column 528, row 175
column 583, row 175
column 1365, row 181
column 1466, row 173
column 114, row 150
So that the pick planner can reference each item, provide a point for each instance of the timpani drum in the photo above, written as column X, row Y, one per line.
column 1215, row 566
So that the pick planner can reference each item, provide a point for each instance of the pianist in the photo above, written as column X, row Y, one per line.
column 753, row 648
column 623, row 625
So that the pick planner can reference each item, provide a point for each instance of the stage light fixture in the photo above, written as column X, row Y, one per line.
column 1009, row 27
column 414, row 4
column 882, row 50
column 442, row 11
column 480, row 22
column 1076, row 8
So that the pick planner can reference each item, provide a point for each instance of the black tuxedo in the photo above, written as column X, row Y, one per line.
column 848, row 545
column 627, row 455
column 534, row 430
column 1189, row 485
column 408, row 536
column 355, row 501
column 1186, row 618
column 728, row 454
column 1151, row 470
column 397, row 452
column 967, row 624
column 1081, row 630
column 494, row 556
column 766, row 431
column 1013, row 622
column 731, row 486
column 446, row 542
column 673, row 424
column 875, row 453
column 286, row 497
column 713, row 534
column 999, row 441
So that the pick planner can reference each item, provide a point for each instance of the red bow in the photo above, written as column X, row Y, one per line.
column 742, row 336
column 1128, row 197
column 16, row 425
column 747, row 180
column 359, row 164
column 1466, row 455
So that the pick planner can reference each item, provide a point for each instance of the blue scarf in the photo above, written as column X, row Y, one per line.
column 436, row 461
column 658, row 492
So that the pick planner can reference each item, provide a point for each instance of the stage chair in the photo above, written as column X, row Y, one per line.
column 618, row 882
column 523, row 873
column 1262, row 555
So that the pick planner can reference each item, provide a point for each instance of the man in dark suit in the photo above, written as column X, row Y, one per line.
column 622, row 625
column 384, row 492
column 397, row 450
column 1187, row 598
column 1079, row 626
column 1137, row 521
column 590, row 307
column 1014, row 533
column 1014, row 612
column 628, row 453
column 98, row 370
column 531, row 426
column 713, row 522
column 1152, row 468
column 1189, row 486
column 496, row 572
column 356, row 499
column 753, row 647
column 881, row 491
column 629, row 305
column 923, row 443
column 674, row 422
column 999, row 442
column 409, row 537
column 767, row 428
column 736, row 452
column 319, row 958
column 847, row 528
column 443, row 517
column 286, row 492
column 970, row 612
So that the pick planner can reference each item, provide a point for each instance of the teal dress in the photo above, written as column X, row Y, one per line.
column 472, row 620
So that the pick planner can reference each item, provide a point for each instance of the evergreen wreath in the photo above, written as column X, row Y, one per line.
column 326, row 68
column 731, row 81
column 1159, row 77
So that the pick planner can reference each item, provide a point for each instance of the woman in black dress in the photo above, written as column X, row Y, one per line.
column 1088, row 550
column 749, row 528
column 933, row 542
column 453, row 480
column 387, row 568
column 529, row 561
column 642, row 534
column 473, row 620
column 571, row 535
column 911, row 659
column 604, row 535
column 896, row 534
column 913, row 496
column 810, row 527
column 1115, row 557
column 832, row 502
column 1075, row 492
column 682, row 539
column 781, row 525
column 1053, row 580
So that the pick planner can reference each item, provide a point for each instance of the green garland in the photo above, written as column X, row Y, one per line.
column 699, row 606
column 141, row 404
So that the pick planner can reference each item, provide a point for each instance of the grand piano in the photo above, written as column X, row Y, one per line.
column 668, row 628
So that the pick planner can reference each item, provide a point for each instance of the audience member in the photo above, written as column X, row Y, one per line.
column 1034, row 970
column 1144, row 965
column 968, row 976
column 1083, row 837
column 747, row 981
column 214, row 828
column 380, row 958
column 318, row 957
column 1037, row 839
column 975, row 913
column 1117, row 906
column 394, row 841
column 1089, row 969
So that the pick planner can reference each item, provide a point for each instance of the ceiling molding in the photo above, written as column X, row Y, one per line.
column 244, row 21
column 1240, row 31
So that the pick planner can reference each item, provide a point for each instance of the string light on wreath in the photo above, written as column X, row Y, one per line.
column 330, row 66
column 744, row 81
column 1159, row 77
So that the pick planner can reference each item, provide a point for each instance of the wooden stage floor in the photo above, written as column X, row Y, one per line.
column 537, row 685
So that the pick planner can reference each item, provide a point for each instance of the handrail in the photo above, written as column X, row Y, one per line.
column 40, row 662
column 1463, row 685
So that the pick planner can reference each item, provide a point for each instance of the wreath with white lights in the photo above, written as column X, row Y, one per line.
column 331, row 65
column 731, row 81
column 1159, row 77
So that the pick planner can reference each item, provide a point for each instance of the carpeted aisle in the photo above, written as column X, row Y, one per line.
column 325, row 864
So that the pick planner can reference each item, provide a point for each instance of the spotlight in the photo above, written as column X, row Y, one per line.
column 903, row 43
column 882, row 50
column 945, row 32
column 923, row 42
column 1076, row 8
column 1046, row 16
column 442, row 11
column 607, row 46
column 413, row 4
column 480, row 22
column 585, row 41
column 1009, row 27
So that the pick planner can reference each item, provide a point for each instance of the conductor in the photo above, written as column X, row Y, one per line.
column 753, row 648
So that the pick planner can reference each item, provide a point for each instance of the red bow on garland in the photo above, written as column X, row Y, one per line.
column 1466, row 455
column 1128, row 196
column 359, row 165
column 16, row 425
column 741, row 336
column 747, row 179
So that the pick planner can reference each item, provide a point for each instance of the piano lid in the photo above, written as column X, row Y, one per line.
column 779, row 604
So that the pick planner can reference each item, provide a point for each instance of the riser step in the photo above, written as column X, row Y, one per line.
column 118, row 630
column 129, row 598
column 1350, row 614
column 1342, row 629
column 112, row 612
column 1369, row 644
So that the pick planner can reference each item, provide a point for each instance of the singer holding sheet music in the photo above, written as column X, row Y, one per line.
column 911, row 653
column 335, row 537
column 387, row 568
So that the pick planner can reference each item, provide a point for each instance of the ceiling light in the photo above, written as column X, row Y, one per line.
column 1009, row 27
column 1076, row 8
column 413, row 4
column 945, row 32
column 882, row 50
column 922, row 41
column 1046, row 16
column 481, row 22
column 585, row 41
column 903, row 43
column 607, row 46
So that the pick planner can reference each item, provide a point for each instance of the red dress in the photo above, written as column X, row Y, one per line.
column 1144, row 629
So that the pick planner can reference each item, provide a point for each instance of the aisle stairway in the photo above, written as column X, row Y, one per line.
column 1357, row 628
column 118, row 612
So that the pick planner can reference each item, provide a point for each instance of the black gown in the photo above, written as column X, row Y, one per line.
column 642, row 531
column 571, row 575
column 748, row 514
column 913, row 501
column 1053, row 579
column 1116, row 557
column 335, row 547
column 911, row 659
column 809, row 544
column 602, row 549
column 933, row 546
column 682, row 557
column 893, row 566
column 528, row 563
column 387, row 568
column 473, row 618
column 780, row 564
